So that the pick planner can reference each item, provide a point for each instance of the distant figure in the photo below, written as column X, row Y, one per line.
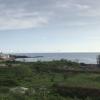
column 98, row 61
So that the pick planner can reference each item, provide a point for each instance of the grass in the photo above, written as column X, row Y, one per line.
column 43, row 74
column 90, row 80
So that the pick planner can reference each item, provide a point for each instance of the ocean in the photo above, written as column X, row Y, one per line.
column 89, row 58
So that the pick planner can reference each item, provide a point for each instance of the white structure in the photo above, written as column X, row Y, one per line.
column 98, row 60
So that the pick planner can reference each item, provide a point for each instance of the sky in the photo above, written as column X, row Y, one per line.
column 49, row 26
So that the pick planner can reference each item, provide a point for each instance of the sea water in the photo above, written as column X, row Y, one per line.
column 78, row 57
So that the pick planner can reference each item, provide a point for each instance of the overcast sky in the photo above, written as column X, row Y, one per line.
column 50, row 25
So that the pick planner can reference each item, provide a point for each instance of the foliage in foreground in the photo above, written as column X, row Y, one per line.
column 39, row 78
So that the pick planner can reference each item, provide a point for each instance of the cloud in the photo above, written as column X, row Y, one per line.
column 22, row 23
column 17, row 15
column 20, row 20
column 69, row 4
column 82, row 7
column 22, row 14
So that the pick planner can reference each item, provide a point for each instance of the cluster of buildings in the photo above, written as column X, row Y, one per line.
column 6, row 57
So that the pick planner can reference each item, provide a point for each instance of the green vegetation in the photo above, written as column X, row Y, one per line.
column 38, row 80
